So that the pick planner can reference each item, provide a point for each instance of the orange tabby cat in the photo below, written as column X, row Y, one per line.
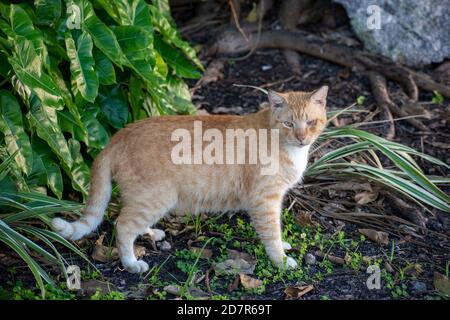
column 140, row 159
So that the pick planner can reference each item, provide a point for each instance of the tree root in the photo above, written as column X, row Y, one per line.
column 377, row 68
column 307, row 43
column 408, row 211
column 379, row 90
column 291, row 12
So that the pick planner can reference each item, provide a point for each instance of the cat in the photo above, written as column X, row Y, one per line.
column 138, row 159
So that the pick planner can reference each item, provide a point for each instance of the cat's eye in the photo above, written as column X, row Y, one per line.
column 288, row 124
column 311, row 122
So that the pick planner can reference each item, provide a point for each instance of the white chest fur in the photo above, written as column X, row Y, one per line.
column 299, row 157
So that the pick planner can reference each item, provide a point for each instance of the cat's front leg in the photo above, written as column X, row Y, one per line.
column 266, row 220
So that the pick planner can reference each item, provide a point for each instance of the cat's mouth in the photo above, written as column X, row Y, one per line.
column 299, row 144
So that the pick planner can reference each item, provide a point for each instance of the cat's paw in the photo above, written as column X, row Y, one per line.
column 286, row 245
column 291, row 263
column 155, row 234
column 136, row 266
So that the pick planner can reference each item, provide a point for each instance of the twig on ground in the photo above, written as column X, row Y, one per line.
column 235, row 12
column 378, row 84
column 330, row 257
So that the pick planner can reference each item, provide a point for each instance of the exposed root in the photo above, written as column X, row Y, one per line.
column 408, row 211
column 304, row 42
column 357, row 60
column 235, row 6
column 379, row 90
column 290, row 15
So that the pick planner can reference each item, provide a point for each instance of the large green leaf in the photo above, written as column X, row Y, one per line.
column 79, row 171
column 47, row 11
column 46, row 122
column 136, row 98
column 26, row 65
column 67, row 96
column 104, row 67
column 11, row 125
column 176, row 59
column 162, row 23
column 82, row 65
column 180, row 95
column 98, row 137
column 114, row 106
column 51, row 169
column 137, row 46
column 22, row 25
column 103, row 37
column 5, row 67
column 133, row 13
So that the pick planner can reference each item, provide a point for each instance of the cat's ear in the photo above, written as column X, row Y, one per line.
column 275, row 100
column 319, row 96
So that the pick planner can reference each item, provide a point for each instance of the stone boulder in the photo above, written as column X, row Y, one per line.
column 415, row 33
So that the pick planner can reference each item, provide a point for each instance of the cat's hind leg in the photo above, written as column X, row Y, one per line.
column 134, row 220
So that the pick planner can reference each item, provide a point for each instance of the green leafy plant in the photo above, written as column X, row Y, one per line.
column 403, row 174
column 437, row 98
column 360, row 100
column 73, row 72
column 23, row 229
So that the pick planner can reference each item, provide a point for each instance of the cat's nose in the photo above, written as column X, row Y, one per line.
column 300, row 134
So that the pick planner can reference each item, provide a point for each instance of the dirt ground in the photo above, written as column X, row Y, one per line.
column 412, row 261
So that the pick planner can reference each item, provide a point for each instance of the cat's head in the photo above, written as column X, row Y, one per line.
column 299, row 116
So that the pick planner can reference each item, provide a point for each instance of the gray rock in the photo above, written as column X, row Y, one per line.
column 418, row 286
column 310, row 259
column 164, row 246
column 415, row 33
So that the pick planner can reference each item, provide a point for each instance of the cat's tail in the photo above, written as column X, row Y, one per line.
column 99, row 195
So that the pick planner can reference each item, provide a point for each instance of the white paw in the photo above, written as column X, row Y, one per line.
column 286, row 245
column 155, row 234
column 291, row 263
column 137, row 266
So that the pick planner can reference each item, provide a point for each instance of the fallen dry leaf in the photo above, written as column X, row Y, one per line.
column 90, row 287
column 297, row 292
column 414, row 269
column 249, row 282
column 234, row 254
column 380, row 237
column 139, row 251
column 213, row 73
column 102, row 253
column 442, row 283
column 205, row 253
column 304, row 219
column 252, row 16
column 234, row 285
column 172, row 289
column 193, row 291
column 365, row 197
